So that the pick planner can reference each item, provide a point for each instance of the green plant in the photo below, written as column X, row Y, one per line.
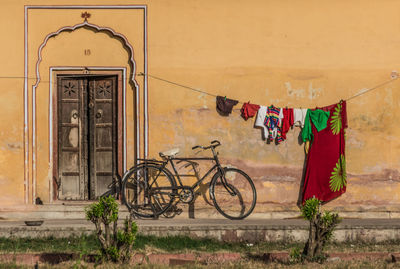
column 295, row 255
column 116, row 245
column 321, row 230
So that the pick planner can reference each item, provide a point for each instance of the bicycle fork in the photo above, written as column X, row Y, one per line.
column 226, row 184
column 222, row 172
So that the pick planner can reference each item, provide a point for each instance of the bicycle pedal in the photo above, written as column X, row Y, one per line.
column 179, row 211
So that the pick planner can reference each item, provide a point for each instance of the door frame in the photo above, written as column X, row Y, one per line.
column 120, row 73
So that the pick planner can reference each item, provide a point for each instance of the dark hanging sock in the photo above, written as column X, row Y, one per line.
column 225, row 105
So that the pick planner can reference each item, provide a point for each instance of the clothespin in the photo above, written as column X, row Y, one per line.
column 225, row 97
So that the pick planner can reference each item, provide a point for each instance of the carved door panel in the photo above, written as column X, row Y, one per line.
column 86, row 136
column 102, row 134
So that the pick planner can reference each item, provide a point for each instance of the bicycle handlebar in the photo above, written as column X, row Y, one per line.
column 214, row 144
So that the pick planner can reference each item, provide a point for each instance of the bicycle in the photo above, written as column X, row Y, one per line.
column 149, row 189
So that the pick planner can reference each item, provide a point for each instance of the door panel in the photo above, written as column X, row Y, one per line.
column 102, row 124
column 86, row 136
column 70, row 151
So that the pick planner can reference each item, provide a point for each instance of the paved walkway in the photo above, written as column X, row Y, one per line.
column 250, row 230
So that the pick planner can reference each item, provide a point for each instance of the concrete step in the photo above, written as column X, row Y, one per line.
column 76, row 210
column 53, row 211
column 248, row 230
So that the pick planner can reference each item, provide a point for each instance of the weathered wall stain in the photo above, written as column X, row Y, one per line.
column 291, row 92
column 311, row 92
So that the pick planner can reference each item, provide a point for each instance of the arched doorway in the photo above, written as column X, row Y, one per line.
column 88, row 117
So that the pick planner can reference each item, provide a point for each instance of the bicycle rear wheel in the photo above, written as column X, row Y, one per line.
column 148, row 190
column 233, row 193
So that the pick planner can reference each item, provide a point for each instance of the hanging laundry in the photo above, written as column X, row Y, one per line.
column 299, row 115
column 273, row 123
column 325, row 176
column 287, row 121
column 317, row 117
column 225, row 105
column 259, row 122
column 249, row 110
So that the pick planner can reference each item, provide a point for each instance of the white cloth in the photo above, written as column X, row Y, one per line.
column 280, row 117
column 299, row 115
column 261, row 113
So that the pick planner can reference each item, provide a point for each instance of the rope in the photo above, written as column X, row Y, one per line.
column 373, row 88
column 177, row 84
column 395, row 77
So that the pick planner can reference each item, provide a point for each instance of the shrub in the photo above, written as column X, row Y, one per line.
column 321, row 230
column 116, row 244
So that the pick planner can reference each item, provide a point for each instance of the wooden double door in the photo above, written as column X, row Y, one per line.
column 86, row 136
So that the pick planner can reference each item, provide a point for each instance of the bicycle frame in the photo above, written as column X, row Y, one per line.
column 164, row 195
column 199, row 180
column 178, row 176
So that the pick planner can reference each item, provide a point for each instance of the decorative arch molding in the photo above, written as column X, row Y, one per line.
column 30, row 143
column 97, row 28
column 132, row 81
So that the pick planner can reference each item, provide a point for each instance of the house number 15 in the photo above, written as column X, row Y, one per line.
column 87, row 52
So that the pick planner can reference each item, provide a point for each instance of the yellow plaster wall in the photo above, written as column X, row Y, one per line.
column 286, row 53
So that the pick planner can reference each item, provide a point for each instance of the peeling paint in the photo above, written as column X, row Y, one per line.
column 203, row 99
column 291, row 92
column 313, row 93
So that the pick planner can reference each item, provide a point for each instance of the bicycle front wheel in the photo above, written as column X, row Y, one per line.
column 148, row 190
column 233, row 193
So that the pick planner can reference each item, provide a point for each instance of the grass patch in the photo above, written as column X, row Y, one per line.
column 177, row 244
column 89, row 244
column 248, row 264
column 82, row 244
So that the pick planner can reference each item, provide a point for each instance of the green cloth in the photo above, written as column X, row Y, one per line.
column 320, row 120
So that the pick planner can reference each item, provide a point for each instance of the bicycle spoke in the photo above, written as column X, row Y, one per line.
column 233, row 194
column 144, row 200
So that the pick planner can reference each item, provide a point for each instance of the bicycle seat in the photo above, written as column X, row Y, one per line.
column 169, row 153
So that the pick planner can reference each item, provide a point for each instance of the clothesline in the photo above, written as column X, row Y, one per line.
column 394, row 77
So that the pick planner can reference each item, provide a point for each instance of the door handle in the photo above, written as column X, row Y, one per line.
column 99, row 114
